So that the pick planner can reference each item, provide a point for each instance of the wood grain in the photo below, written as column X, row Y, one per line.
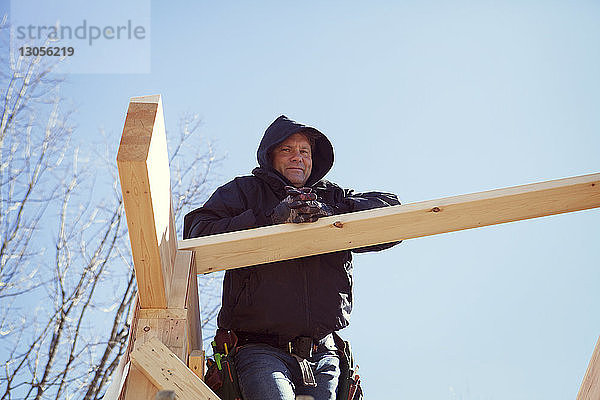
column 180, row 278
column 193, row 306
column 167, row 372
column 382, row 225
column 196, row 363
column 144, row 173
column 590, row 387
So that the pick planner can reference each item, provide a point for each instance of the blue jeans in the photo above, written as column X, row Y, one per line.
column 267, row 373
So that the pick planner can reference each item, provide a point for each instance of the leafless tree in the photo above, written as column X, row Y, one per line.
column 66, row 280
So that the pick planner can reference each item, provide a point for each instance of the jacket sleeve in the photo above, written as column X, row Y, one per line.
column 225, row 211
column 367, row 201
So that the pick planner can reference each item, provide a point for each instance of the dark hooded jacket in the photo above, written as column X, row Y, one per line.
column 309, row 296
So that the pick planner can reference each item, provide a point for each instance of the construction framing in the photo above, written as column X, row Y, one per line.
column 165, row 342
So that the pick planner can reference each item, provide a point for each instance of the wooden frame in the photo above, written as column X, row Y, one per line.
column 166, row 371
column 165, row 343
column 168, row 308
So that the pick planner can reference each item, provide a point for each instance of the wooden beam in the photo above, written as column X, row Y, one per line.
column 180, row 279
column 171, row 332
column 382, row 225
column 144, row 173
column 196, row 363
column 183, row 298
column 116, row 388
column 138, row 387
column 192, row 304
column 162, row 313
column 167, row 372
column 590, row 387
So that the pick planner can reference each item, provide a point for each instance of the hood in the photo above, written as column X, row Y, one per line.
column 280, row 130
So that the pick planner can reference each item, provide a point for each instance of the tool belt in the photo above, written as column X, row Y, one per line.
column 222, row 378
column 302, row 346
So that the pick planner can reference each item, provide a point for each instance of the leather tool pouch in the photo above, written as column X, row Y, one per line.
column 349, row 382
column 221, row 375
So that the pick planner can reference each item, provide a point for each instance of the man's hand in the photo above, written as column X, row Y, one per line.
column 299, row 206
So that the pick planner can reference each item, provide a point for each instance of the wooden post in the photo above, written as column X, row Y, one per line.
column 166, row 278
column 144, row 172
column 196, row 363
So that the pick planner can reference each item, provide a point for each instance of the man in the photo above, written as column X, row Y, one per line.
column 284, row 313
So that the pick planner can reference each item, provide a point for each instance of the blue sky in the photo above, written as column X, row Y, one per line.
column 425, row 99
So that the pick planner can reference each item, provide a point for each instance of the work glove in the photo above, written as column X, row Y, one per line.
column 300, row 205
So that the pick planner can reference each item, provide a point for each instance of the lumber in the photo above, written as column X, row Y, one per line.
column 162, row 313
column 196, row 363
column 590, row 387
column 116, row 388
column 364, row 228
column 170, row 326
column 183, row 300
column 143, row 165
column 179, row 281
column 192, row 304
column 137, row 386
column 167, row 372
column 171, row 332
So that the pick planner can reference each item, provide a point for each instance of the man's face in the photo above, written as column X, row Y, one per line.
column 293, row 159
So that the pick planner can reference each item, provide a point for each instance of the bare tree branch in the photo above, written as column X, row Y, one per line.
column 67, row 286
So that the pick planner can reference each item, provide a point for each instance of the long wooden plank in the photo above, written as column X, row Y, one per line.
column 144, row 173
column 590, row 387
column 167, row 372
column 364, row 228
